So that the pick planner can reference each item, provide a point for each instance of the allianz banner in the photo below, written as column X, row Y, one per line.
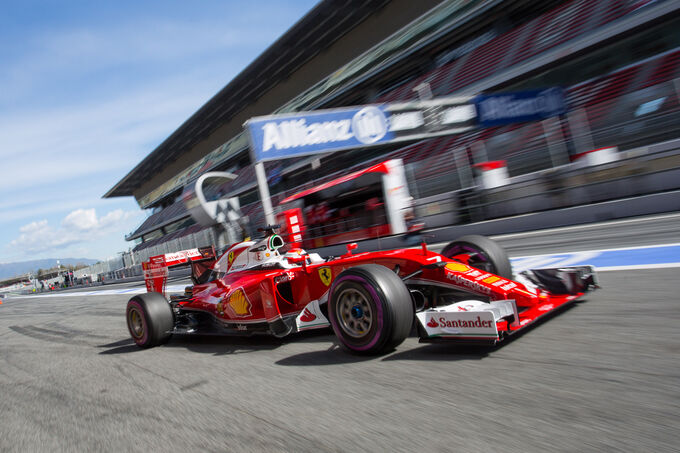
column 521, row 106
column 289, row 135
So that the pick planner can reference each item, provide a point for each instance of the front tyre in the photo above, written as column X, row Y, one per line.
column 149, row 319
column 370, row 309
column 484, row 254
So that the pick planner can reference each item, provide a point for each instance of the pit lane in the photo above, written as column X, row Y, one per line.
column 600, row 376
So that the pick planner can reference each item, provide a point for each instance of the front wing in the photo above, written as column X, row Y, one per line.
column 466, row 320
column 490, row 322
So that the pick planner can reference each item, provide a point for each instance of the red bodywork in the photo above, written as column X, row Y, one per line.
column 242, row 298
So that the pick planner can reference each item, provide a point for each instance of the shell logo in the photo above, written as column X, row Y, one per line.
column 238, row 303
column 457, row 267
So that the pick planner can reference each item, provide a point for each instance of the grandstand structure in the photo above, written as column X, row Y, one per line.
column 617, row 60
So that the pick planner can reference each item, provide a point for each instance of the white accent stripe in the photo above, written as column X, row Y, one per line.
column 640, row 247
column 638, row 266
column 546, row 261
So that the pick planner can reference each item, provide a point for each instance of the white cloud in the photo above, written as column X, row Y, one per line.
column 39, row 236
column 34, row 227
column 116, row 217
column 78, row 227
column 81, row 220
column 22, row 205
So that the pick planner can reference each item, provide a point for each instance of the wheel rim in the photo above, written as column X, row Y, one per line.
column 136, row 323
column 354, row 313
column 478, row 258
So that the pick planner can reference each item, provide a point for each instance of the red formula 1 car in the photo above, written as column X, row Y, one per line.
column 372, row 300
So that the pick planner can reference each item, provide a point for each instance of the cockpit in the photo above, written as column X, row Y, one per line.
column 264, row 253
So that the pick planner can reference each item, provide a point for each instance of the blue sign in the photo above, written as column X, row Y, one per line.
column 282, row 136
column 521, row 106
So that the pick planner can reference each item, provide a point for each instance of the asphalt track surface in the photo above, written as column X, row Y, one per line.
column 600, row 376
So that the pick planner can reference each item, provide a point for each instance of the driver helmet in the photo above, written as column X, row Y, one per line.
column 295, row 253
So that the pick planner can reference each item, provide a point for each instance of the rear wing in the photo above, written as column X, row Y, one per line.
column 187, row 256
column 156, row 268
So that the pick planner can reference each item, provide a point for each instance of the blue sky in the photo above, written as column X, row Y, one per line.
column 88, row 89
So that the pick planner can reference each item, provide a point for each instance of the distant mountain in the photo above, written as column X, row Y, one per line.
column 9, row 270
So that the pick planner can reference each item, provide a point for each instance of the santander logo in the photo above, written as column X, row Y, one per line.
column 307, row 316
column 432, row 323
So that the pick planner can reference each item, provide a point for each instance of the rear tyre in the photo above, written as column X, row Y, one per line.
column 485, row 254
column 370, row 309
column 149, row 319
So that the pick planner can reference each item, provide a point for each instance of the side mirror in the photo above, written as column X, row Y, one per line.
column 350, row 247
column 299, row 260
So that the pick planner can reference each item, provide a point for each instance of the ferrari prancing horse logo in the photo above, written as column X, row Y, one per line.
column 326, row 275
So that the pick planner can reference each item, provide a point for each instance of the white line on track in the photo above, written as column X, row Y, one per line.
column 639, row 247
column 103, row 292
column 637, row 267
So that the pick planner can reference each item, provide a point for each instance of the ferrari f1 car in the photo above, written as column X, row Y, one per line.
column 371, row 300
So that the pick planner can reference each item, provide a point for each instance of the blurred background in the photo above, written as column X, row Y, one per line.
column 597, row 183
column 613, row 153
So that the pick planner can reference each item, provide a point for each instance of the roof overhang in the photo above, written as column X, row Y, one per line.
column 320, row 27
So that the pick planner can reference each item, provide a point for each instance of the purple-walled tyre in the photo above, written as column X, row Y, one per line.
column 149, row 319
column 485, row 254
column 370, row 309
